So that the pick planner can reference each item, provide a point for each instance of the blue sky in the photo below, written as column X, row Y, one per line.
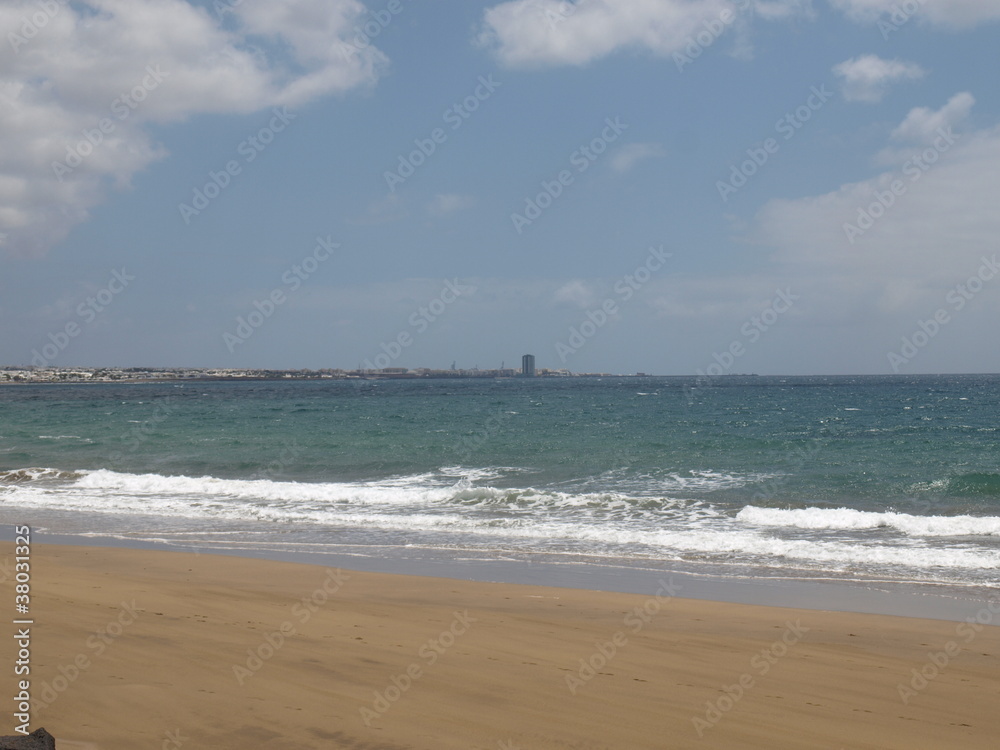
column 669, row 187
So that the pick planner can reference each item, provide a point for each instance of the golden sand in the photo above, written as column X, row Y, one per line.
column 140, row 649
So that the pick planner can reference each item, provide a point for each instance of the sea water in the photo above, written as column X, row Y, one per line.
column 872, row 478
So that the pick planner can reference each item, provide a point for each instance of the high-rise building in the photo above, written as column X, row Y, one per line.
column 528, row 366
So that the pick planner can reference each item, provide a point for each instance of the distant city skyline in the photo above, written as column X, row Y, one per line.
column 779, row 187
column 28, row 375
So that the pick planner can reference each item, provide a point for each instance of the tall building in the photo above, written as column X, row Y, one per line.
column 528, row 366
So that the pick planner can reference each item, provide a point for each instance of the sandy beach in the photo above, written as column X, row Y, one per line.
column 133, row 648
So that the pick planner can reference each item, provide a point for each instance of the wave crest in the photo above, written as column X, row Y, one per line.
column 848, row 519
column 21, row 476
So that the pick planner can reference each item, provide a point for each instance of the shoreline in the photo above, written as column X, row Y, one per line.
column 278, row 376
column 134, row 648
column 936, row 601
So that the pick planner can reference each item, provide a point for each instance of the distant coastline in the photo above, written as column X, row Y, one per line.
column 37, row 375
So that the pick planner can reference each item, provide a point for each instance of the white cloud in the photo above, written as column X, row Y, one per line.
column 576, row 292
column 922, row 127
column 857, row 300
column 59, row 80
column 631, row 154
column 922, row 124
column 933, row 231
column 867, row 77
column 862, row 298
column 553, row 32
column 447, row 203
column 946, row 13
column 526, row 33
column 557, row 32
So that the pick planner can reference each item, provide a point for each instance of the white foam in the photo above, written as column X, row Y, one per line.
column 850, row 519
column 673, row 482
column 447, row 502
column 391, row 491
column 748, row 544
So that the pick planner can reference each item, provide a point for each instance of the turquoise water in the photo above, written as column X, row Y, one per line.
column 889, row 478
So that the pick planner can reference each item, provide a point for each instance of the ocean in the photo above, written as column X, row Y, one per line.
column 861, row 479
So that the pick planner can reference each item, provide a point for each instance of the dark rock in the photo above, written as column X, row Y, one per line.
column 37, row 740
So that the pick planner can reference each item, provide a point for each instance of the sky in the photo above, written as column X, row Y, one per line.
column 665, row 186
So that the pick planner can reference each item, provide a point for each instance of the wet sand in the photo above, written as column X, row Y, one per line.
column 138, row 648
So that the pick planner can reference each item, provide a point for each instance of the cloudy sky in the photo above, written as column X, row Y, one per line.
column 667, row 186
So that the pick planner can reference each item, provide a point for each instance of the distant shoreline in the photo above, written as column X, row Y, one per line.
column 78, row 375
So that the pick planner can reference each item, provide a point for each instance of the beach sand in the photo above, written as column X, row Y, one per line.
column 147, row 649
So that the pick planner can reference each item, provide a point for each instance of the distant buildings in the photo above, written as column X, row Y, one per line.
column 31, row 374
